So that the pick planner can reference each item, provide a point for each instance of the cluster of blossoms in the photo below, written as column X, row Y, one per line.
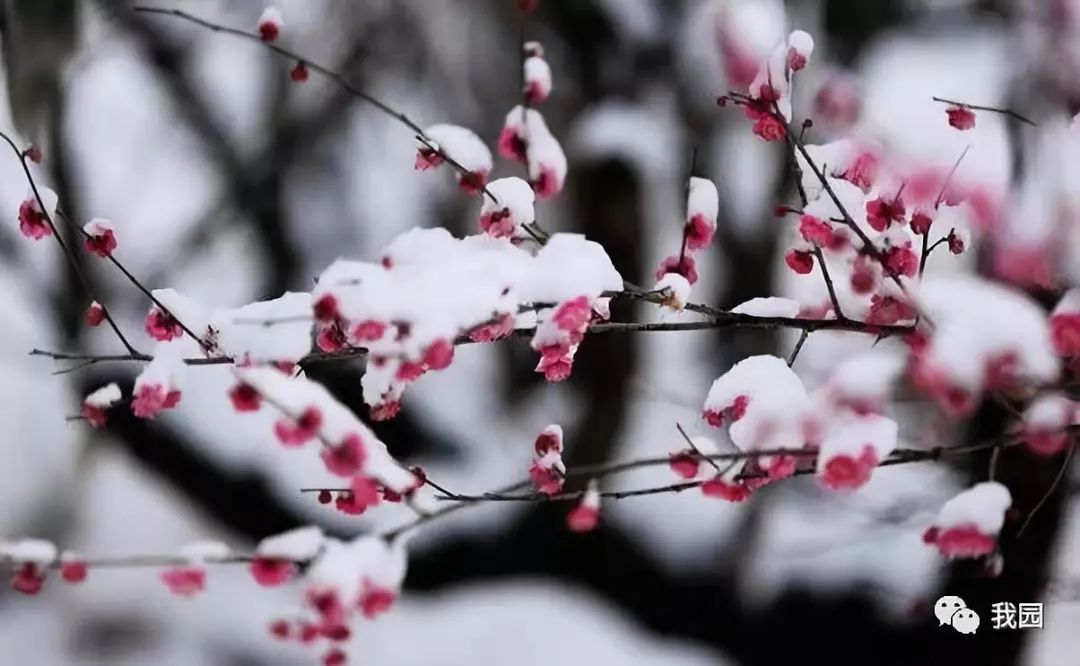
column 678, row 272
column 428, row 291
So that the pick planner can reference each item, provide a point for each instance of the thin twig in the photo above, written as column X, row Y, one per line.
column 68, row 253
column 992, row 109
column 1049, row 491
column 798, row 347
column 329, row 73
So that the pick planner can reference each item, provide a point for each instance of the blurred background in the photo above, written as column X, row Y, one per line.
column 230, row 183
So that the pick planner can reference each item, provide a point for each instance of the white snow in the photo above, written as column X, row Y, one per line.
column 777, row 403
column 768, row 306
column 982, row 505
column 678, row 289
column 462, row 145
column 99, row 226
column 878, row 432
column 37, row 551
column 104, row 396
column 205, row 551
column 298, row 545
column 702, row 199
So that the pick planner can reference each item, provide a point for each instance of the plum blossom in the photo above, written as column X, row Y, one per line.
column 299, row 73
column 276, row 556
column 512, row 207
column 968, row 524
column 961, row 117
column 525, row 137
column 702, row 207
column 188, row 580
column 462, row 146
column 765, row 405
column 34, row 221
column 100, row 237
column 537, row 74
column 31, row 559
column 586, row 515
column 684, row 265
column 270, row 24
column 1065, row 324
column 157, row 386
column 547, row 469
column 1045, row 422
column 95, row 405
column 95, row 314
column 850, row 452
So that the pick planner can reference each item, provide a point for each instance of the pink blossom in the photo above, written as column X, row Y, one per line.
column 920, row 223
column 512, row 145
column 299, row 73
column 497, row 330
column 960, row 117
column 770, row 128
column 426, row 158
column 573, row 316
column 73, row 570
column 280, row 629
column 687, row 268
column 847, row 472
column 27, row 578
column 385, row 410
column 335, row 657
column 1065, row 333
column 583, row 518
column 185, row 581
column 244, row 397
column 838, row 101
column 152, row 398
column 32, row 221
column 800, row 261
column 733, row 412
column 331, row 338
column 956, row 242
column 369, row 330
column 699, row 232
column 345, row 459
column 880, row 213
column 326, row 309
column 864, row 275
column 376, row 600
column 548, row 183
column 902, row 261
column 556, row 363
column 815, row 230
column 95, row 314
column 684, row 463
column 719, row 488
column 271, row 572
column 439, row 354
column 270, row 25
column 298, row 432
column 1023, row 266
column 965, row 540
column 546, row 480
column 162, row 326
column 102, row 244
column 94, row 415
column 888, row 310
column 863, row 170
column 364, row 492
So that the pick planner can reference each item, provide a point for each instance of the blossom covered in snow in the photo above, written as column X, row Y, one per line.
column 675, row 291
column 985, row 337
column 512, row 207
column 30, row 559
column 277, row 557
column 968, row 524
column 1045, row 422
column 537, row 74
column 1065, row 325
column 720, row 481
column 35, row 221
column 850, row 452
column 95, row 314
column 100, row 237
column 702, row 207
column 768, row 306
column 95, row 404
column 189, row 579
column 863, row 382
column 270, row 24
column 769, row 101
column 462, row 146
column 158, row 386
column 525, row 137
column 547, row 470
column 765, row 405
column 586, row 515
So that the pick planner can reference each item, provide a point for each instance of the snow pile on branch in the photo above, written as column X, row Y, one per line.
column 767, row 408
column 309, row 412
column 462, row 146
column 968, row 524
column 850, row 452
column 985, row 337
column 525, row 137
column 512, row 207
